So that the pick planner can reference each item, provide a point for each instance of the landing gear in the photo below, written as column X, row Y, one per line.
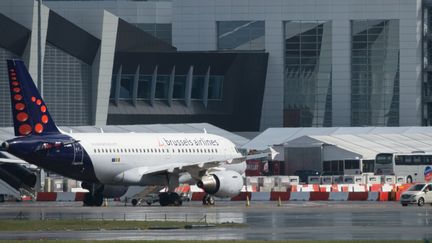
column 93, row 200
column 208, row 200
column 169, row 199
column 94, row 197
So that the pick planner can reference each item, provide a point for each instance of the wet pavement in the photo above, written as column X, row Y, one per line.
column 264, row 220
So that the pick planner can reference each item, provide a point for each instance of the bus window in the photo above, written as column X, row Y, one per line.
column 352, row 164
column 384, row 159
column 407, row 160
column 368, row 166
column 417, row 160
column 326, row 166
column 427, row 160
column 352, row 167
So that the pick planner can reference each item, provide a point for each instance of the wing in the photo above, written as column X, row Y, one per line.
column 196, row 169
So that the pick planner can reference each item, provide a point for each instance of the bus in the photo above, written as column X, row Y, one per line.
column 417, row 167
column 348, row 167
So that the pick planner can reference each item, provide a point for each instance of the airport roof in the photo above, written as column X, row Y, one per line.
column 384, row 137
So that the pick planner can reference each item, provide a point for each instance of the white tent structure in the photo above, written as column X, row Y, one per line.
column 308, row 148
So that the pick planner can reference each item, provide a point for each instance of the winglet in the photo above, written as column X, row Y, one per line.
column 273, row 153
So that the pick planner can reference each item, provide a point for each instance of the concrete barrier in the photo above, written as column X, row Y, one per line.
column 338, row 196
column 65, row 197
column 373, row 196
column 299, row 196
column 260, row 196
column 284, row 196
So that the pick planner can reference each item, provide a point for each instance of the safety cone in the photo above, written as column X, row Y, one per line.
column 279, row 202
column 247, row 201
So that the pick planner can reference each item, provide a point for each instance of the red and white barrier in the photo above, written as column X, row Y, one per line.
column 335, row 192
column 60, row 196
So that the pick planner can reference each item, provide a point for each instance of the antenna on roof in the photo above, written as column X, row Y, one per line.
column 205, row 131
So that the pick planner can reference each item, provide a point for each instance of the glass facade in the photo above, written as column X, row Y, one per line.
column 5, row 104
column 144, row 84
column 308, row 73
column 160, row 31
column 162, row 85
column 126, row 85
column 215, row 87
column 67, row 87
column 240, row 35
column 375, row 73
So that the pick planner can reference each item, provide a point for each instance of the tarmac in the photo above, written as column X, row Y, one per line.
column 324, row 220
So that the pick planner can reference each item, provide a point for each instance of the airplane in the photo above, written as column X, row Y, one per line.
column 108, row 163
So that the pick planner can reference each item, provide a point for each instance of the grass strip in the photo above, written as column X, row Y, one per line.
column 86, row 225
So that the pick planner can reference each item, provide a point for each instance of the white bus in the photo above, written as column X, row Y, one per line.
column 348, row 167
column 417, row 167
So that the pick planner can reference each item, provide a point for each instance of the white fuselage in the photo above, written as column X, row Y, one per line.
column 114, row 153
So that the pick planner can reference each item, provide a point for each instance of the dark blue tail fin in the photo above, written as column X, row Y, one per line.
column 30, row 114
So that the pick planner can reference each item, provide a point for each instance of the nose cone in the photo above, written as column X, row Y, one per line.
column 5, row 146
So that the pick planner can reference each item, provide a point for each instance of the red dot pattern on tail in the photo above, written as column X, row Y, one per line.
column 38, row 128
column 17, row 97
column 25, row 129
column 22, row 116
column 19, row 106
column 44, row 119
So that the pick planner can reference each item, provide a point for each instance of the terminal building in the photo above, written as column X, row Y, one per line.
column 240, row 65
column 337, row 67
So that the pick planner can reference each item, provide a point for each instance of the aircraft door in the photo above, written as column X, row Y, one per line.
column 78, row 154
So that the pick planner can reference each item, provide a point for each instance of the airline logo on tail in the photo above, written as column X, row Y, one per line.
column 30, row 114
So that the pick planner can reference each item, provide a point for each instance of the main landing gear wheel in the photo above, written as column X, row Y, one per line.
column 169, row 199
column 93, row 200
column 208, row 200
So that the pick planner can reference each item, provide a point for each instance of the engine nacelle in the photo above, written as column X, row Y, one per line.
column 226, row 183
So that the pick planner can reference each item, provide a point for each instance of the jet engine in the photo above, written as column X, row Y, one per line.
column 226, row 183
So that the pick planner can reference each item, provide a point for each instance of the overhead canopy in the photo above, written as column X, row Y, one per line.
column 411, row 137
column 367, row 146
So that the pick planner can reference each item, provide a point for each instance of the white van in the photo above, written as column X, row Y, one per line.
column 419, row 194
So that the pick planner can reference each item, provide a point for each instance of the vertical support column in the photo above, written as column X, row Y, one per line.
column 171, row 86
column 153, row 86
column 188, row 91
column 106, row 25
column 206, row 87
column 135, row 86
column 39, row 49
column 118, row 86
column 341, row 73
